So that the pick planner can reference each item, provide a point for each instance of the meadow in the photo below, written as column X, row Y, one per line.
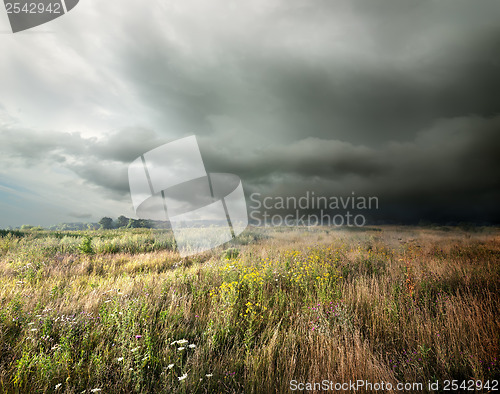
column 118, row 311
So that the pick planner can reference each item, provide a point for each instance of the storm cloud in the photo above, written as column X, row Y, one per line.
column 392, row 98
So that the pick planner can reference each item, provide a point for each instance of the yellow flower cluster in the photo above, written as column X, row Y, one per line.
column 314, row 265
column 248, row 274
column 254, row 310
column 226, row 290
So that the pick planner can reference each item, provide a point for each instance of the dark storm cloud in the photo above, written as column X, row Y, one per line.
column 351, row 71
column 393, row 98
column 305, row 158
column 449, row 171
column 459, row 151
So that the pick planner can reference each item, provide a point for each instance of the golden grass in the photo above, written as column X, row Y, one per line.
column 397, row 305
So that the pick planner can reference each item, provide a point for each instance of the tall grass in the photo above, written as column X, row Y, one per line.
column 120, row 311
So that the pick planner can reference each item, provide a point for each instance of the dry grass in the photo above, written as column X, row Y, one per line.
column 397, row 305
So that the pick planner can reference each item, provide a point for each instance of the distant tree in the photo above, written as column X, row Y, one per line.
column 133, row 223
column 106, row 223
column 122, row 221
column 139, row 223
column 144, row 223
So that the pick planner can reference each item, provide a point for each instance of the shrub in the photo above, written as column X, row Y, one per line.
column 86, row 245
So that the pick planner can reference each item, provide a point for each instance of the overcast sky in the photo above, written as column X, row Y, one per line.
column 396, row 99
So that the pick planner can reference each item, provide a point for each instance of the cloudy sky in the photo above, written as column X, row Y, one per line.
column 397, row 99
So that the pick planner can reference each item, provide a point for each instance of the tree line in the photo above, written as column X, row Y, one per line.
column 107, row 223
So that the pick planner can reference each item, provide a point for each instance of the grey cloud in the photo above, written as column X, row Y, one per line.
column 80, row 215
column 341, row 70
column 100, row 162
column 111, row 177
column 449, row 167
column 32, row 145
column 125, row 145
column 394, row 98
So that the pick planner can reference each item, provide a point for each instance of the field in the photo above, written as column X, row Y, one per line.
column 118, row 311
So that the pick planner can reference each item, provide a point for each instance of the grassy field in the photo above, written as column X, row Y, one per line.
column 119, row 311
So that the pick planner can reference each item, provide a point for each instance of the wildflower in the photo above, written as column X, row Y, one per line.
column 135, row 349
column 181, row 348
column 138, row 336
column 58, row 386
column 192, row 346
column 182, row 377
column 209, row 375
column 95, row 390
column 119, row 359
column 180, row 342
column 170, row 366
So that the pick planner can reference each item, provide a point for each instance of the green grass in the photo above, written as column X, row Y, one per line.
column 104, row 309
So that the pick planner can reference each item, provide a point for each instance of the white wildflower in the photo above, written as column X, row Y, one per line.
column 192, row 346
column 183, row 376
column 209, row 375
column 95, row 390
column 170, row 366
column 119, row 359
column 181, row 348
column 58, row 385
column 182, row 341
